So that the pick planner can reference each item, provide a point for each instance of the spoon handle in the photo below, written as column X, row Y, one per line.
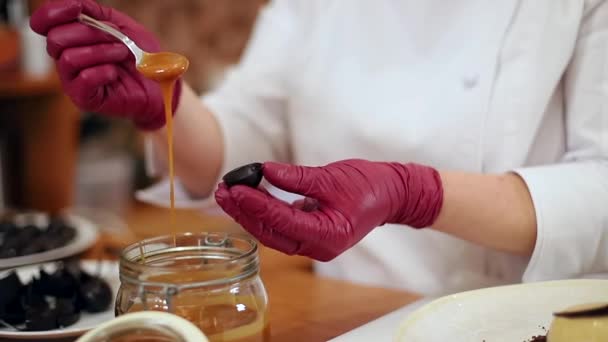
column 136, row 50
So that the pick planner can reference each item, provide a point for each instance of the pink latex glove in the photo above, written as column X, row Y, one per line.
column 345, row 200
column 97, row 71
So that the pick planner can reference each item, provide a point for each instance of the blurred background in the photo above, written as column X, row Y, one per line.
column 51, row 155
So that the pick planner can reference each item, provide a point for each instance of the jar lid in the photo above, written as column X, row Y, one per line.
column 145, row 326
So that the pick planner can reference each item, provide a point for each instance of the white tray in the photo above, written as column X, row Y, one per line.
column 504, row 313
column 383, row 328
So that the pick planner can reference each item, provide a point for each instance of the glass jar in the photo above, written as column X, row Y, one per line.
column 210, row 279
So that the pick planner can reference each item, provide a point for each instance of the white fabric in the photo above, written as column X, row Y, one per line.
column 472, row 85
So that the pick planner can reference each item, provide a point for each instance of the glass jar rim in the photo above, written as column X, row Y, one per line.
column 247, row 259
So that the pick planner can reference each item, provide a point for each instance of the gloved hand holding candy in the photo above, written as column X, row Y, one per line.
column 345, row 201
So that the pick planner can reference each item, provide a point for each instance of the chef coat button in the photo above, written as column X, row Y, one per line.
column 470, row 81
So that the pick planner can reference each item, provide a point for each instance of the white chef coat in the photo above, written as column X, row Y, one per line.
column 471, row 85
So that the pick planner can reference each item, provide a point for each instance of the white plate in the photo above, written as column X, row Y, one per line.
column 86, row 235
column 87, row 321
column 501, row 314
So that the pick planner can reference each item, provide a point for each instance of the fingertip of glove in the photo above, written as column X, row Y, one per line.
column 275, row 172
column 221, row 193
column 93, row 8
column 240, row 192
column 53, row 13
column 248, row 199
column 272, row 167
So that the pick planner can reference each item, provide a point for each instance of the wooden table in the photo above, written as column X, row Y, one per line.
column 303, row 306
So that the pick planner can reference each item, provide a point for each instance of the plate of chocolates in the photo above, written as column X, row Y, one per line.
column 58, row 299
column 35, row 237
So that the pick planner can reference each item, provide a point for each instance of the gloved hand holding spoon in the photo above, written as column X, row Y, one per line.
column 99, row 72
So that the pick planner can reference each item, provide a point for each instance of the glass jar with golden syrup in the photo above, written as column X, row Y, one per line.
column 210, row 279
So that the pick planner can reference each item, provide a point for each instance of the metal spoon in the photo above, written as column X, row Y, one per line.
column 136, row 50
column 158, row 66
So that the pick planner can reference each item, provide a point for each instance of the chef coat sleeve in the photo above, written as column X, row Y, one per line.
column 250, row 102
column 571, row 198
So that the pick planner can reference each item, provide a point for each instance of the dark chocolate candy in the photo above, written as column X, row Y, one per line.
column 40, row 319
column 11, row 291
column 95, row 295
column 60, row 283
column 67, row 310
column 11, row 287
column 249, row 175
